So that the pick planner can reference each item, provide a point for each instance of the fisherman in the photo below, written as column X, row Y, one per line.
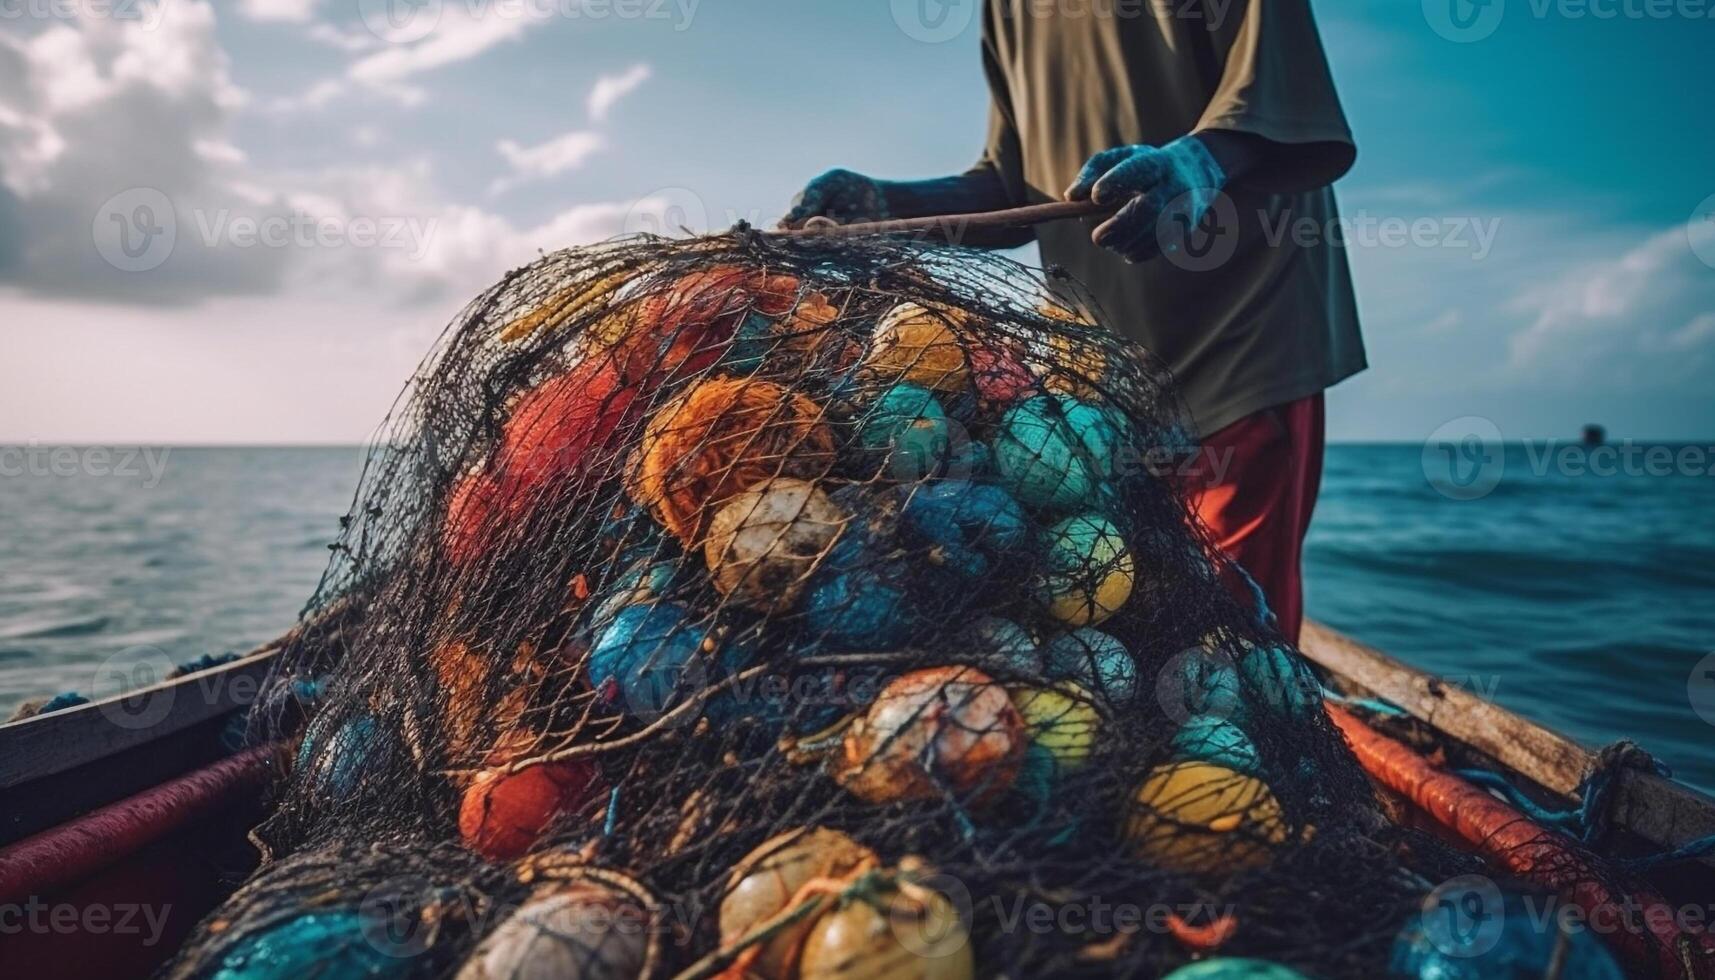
column 1216, row 130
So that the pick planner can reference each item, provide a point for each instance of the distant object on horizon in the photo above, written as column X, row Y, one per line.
column 1595, row 435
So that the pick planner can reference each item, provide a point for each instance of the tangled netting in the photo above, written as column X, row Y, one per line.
column 795, row 607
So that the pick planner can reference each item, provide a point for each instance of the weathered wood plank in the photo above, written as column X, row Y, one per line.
column 1659, row 810
column 38, row 747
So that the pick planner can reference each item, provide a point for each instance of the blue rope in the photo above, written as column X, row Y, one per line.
column 1588, row 821
column 62, row 701
column 1377, row 706
column 612, row 819
column 1574, row 821
column 1264, row 615
column 1684, row 852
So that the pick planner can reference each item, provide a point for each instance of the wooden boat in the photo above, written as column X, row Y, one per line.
column 131, row 805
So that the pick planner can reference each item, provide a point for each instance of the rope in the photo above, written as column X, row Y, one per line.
column 1590, row 820
column 1378, row 706
column 1264, row 615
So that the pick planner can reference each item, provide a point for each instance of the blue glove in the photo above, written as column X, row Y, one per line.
column 1170, row 189
column 842, row 195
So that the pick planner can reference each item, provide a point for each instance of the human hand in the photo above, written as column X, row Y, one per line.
column 1176, row 183
column 840, row 195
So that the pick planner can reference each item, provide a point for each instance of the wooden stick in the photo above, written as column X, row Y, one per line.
column 953, row 225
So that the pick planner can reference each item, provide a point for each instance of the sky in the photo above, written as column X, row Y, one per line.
column 246, row 222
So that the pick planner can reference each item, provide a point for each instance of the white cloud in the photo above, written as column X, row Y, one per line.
column 554, row 157
column 461, row 33
column 286, row 11
column 609, row 89
column 1644, row 317
column 85, row 121
column 351, row 42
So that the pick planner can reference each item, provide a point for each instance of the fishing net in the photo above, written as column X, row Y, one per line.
column 796, row 606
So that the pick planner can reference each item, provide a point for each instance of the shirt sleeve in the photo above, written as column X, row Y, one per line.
column 1002, row 156
column 1276, row 84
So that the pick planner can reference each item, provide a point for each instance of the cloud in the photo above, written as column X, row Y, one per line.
column 92, row 111
column 609, row 89
column 1643, row 318
column 461, row 33
column 349, row 41
column 556, row 156
column 96, row 107
column 284, row 11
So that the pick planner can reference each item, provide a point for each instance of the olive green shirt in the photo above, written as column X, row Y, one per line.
column 1276, row 320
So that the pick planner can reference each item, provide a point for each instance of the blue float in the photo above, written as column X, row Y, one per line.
column 1006, row 639
column 645, row 656
column 335, row 765
column 336, row 945
column 1280, row 679
column 1234, row 968
column 1096, row 661
column 1057, row 453
column 1208, row 738
column 1209, row 685
column 969, row 522
column 908, row 423
column 1478, row 932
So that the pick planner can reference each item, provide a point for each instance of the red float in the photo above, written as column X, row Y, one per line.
column 503, row 814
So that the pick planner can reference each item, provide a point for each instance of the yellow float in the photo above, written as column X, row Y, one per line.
column 1200, row 818
column 917, row 343
column 1061, row 720
column 767, row 880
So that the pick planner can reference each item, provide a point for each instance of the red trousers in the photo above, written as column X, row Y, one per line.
column 1254, row 485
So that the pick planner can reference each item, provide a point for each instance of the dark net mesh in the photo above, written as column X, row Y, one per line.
column 796, row 607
